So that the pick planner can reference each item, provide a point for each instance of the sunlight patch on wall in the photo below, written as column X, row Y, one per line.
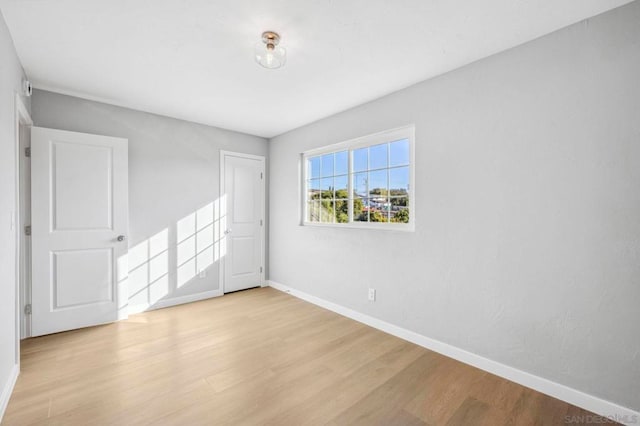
column 171, row 258
column 200, row 236
column 149, row 270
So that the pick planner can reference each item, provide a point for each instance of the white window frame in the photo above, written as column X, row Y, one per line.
column 406, row 132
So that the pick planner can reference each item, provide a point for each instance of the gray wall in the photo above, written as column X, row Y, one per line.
column 11, row 76
column 527, row 241
column 173, row 172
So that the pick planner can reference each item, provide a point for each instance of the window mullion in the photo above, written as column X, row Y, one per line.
column 367, row 194
column 350, row 200
column 305, row 189
column 388, row 182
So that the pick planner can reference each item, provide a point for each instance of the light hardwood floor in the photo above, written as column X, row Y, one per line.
column 258, row 357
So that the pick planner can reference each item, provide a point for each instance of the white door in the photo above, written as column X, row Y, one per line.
column 79, row 227
column 243, row 190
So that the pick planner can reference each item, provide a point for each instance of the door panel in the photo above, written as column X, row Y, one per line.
column 243, row 190
column 85, row 203
column 70, row 268
column 79, row 208
column 244, row 260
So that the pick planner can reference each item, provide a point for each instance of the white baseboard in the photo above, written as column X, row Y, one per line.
column 8, row 389
column 165, row 303
column 572, row 396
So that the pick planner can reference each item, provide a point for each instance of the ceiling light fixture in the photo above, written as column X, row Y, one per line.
column 268, row 53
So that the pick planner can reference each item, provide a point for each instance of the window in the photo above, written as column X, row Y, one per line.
column 365, row 182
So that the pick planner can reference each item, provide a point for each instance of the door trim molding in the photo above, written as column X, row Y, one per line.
column 22, row 118
column 262, row 159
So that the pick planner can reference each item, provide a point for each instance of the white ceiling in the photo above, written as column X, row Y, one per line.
column 194, row 60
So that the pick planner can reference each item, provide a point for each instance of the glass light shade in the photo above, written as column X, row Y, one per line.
column 271, row 58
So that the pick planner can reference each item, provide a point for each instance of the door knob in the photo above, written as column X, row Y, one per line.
column 121, row 238
column 228, row 231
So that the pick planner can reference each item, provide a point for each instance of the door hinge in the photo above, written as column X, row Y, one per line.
column 27, row 151
column 260, row 222
column 261, row 269
column 27, row 309
column 27, row 230
column 261, row 175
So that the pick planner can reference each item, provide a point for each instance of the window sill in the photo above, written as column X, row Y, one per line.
column 402, row 227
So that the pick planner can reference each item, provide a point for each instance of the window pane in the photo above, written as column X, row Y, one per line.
column 313, row 189
column 379, row 209
column 342, row 163
column 386, row 209
column 327, row 165
column 360, row 184
column 376, row 203
column 399, row 181
column 313, row 211
column 361, row 210
column 378, row 156
column 340, row 184
column 326, row 187
column 360, row 159
column 399, row 202
column 326, row 211
column 378, row 216
column 399, row 152
column 378, row 182
column 341, row 211
column 400, row 209
column 313, row 167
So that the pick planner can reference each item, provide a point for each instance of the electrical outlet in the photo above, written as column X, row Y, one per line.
column 372, row 294
column 202, row 273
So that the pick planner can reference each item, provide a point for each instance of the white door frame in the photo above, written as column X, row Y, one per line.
column 223, row 155
column 22, row 118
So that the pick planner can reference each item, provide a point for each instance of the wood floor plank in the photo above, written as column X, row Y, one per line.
column 393, row 394
column 471, row 412
column 444, row 391
column 258, row 357
column 350, row 387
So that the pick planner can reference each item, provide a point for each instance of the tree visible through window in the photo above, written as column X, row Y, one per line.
column 328, row 196
column 360, row 183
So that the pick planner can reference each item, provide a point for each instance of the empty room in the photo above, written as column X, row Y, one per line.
column 420, row 212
